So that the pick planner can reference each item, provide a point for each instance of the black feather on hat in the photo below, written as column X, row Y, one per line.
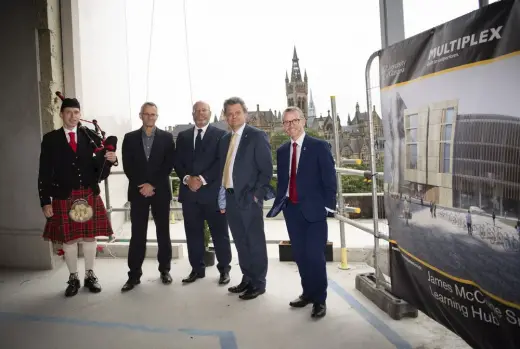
column 70, row 103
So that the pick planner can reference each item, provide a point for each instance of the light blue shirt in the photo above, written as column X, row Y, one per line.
column 222, row 198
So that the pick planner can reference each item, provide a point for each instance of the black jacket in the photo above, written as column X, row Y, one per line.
column 204, row 162
column 155, row 170
column 62, row 170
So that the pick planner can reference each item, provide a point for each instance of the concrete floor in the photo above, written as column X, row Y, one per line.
column 35, row 314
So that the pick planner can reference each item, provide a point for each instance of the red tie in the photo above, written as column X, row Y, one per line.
column 72, row 142
column 293, row 195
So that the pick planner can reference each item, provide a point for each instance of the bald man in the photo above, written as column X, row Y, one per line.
column 197, row 165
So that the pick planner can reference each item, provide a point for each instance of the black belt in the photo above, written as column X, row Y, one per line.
column 230, row 190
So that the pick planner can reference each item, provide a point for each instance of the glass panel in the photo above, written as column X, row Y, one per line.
column 449, row 116
column 413, row 121
column 446, row 134
column 412, row 135
column 412, row 156
column 446, row 166
column 446, row 150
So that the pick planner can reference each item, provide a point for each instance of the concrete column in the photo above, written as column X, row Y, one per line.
column 32, row 66
column 392, row 22
column 50, row 61
column 70, row 23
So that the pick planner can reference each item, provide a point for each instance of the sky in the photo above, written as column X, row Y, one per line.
column 211, row 50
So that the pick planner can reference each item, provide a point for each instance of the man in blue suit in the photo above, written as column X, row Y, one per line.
column 247, row 169
column 306, row 193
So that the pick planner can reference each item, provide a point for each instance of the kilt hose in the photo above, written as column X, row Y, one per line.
column 61, row 229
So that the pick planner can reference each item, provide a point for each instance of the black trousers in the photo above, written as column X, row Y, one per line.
column 194, row 216
column 139, row 213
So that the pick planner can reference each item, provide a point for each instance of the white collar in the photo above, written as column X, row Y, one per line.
column 74, row 130
column 299, row 141
column 240, row 130
column 203, row 128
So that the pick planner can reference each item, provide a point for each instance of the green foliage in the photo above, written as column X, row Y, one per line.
column 277, row 139
column 175, row 183
column 207, row 235
column 356, row 184
column 312, row 133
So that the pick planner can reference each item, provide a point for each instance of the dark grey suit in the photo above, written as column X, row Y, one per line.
column 251, row 173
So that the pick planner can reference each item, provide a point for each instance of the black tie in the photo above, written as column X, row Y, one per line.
column 198, row 140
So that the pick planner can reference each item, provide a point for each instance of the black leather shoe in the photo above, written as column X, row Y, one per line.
column 130, row 284
column 166, row 278
column 251, row 293
column 91, row 282
column 239, row 288
column 193, row 277
column 318, row 310
column 73, row 287
column 300, row 302
column 224, row 278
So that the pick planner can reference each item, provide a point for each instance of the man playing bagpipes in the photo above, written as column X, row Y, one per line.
column 71, row 167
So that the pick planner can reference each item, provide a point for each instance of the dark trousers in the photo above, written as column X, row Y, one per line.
column 308, row 242
column 194, row 216
column 247, row 228
column 139, row 213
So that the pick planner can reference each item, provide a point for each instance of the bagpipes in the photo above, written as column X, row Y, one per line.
column 97, row 138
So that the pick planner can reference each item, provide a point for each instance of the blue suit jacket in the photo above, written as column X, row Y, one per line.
column 253, row 168
column 316, row 181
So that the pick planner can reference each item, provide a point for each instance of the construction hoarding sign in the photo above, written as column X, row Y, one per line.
column 450, row 100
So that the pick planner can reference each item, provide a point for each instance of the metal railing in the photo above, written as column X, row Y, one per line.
column 110, row 209
column 342, row 210
column 341, row 215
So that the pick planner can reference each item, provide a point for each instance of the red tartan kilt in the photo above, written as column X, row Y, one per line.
column 60, row 228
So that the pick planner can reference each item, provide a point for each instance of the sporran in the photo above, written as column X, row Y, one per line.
column 81, row 211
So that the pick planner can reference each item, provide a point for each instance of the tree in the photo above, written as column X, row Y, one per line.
column 357, row 184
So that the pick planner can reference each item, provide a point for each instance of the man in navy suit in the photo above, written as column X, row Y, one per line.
column 247, row 169
column 197, row 164
column 306, row 192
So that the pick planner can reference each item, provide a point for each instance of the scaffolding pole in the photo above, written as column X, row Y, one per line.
column 373, row 169
column 341, row 209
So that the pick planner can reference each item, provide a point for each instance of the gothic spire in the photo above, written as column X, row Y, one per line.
column 312, row 107
column 296, row 75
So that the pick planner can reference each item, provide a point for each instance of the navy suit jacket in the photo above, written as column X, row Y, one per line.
column 316, row 181
column 205, row 163
column 253, row 167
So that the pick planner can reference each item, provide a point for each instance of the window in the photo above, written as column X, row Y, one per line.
column 411, row 155
column 412, row 122
column 448, row 118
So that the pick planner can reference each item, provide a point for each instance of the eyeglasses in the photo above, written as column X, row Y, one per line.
column 291, row 122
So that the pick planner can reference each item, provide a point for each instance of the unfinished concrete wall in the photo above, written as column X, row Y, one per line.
column 30, row 68
column 51, row 62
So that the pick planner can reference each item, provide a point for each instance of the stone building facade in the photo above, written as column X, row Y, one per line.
column 354, row 137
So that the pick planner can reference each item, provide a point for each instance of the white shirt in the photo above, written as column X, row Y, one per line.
column 74, row 130
column 195, row 133
column 234, row 154
column 299, row 143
